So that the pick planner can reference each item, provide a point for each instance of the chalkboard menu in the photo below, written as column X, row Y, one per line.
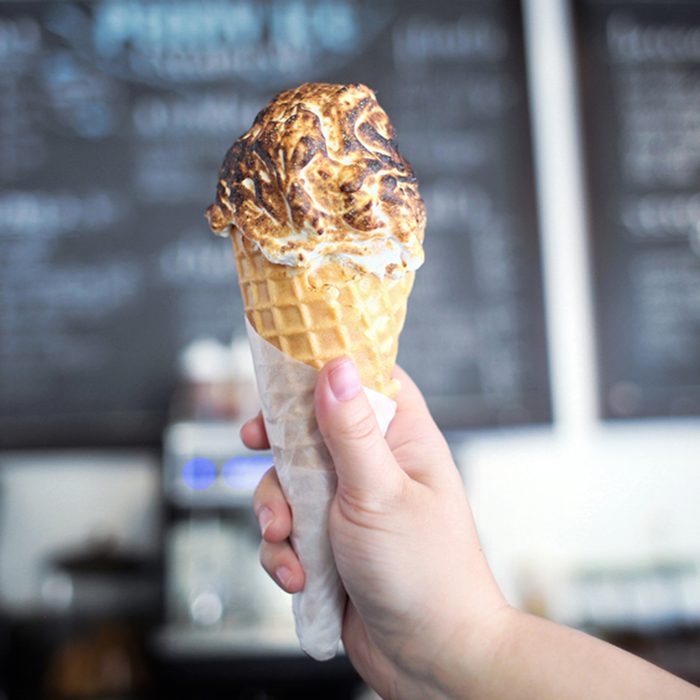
column 640, row 96
column 114, row 118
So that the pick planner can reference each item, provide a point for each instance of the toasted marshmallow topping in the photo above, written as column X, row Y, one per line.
column 318, row 178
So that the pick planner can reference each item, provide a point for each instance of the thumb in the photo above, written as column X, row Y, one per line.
column 369, row 477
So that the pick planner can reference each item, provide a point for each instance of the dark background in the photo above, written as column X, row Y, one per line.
column 114, row 119
column 640, row 95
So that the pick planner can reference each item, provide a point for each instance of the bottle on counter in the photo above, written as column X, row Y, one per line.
column 216, row 382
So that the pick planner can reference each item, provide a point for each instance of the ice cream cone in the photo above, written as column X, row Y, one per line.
column 327, row 227
column 315, row 316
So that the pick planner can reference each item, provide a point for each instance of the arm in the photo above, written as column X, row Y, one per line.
column 529, row 658
column 426, row 618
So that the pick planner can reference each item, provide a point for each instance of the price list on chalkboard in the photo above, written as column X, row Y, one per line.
column 114, row 119
column 640, row 95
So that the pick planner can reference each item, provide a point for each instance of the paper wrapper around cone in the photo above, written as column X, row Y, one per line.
column 306, row 473
column 296, row 323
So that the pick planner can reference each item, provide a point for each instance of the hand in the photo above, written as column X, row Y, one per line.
column 421, row 595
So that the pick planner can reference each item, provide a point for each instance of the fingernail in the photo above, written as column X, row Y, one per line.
column 344, row 381
column 284, row 576
column 265, row 517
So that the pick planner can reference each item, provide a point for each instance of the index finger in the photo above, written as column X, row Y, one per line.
column 413, row 435
column 411, row 412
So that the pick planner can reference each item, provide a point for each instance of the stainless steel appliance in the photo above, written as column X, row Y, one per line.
column 217, row 598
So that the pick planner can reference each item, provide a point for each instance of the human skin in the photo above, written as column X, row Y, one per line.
column 425, row 617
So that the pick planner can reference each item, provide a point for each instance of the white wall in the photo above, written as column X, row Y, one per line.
column 52, row 501
column 623, row 496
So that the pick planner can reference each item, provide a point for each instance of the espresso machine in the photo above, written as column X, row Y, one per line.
column 217, row 597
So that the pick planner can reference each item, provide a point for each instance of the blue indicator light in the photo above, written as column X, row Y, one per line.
column 199, row 473
column 243, row 472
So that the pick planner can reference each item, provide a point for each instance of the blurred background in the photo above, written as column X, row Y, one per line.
column 557, row 143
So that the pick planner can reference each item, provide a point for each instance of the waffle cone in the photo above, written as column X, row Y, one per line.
column 330, row 312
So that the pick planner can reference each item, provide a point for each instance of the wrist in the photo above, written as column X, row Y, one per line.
column 451, row 656
column 454, row 662
column 466, row 662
